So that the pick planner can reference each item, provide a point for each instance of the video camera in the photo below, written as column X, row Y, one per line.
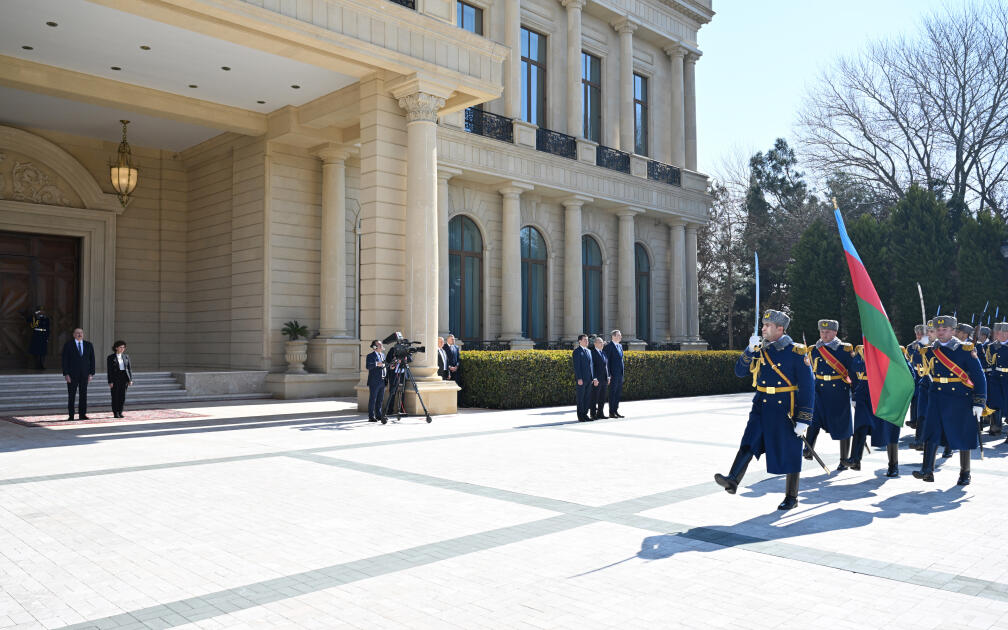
column 399, row 348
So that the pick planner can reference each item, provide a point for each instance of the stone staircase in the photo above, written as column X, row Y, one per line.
column 47, row 391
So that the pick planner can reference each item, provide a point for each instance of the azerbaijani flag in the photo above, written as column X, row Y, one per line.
column 890, row 384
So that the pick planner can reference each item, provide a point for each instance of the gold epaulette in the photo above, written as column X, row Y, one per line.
column 847, row 347
column 800, row 348
column 859, row 349
column 967, row 346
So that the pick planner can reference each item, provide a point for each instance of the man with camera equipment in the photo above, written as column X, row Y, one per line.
column 400, row 355
column 375, row 364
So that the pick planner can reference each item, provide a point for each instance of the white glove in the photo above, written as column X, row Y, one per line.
column 853, row 409
column 754, row 342
column 799, row 428
column 924, row 340
column 977, row 411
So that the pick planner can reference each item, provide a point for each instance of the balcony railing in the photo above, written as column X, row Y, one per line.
column 490, row 125
column 613, row 159
column 409, row 4
column 485, row 345
column 557, row 143
column 661, row 172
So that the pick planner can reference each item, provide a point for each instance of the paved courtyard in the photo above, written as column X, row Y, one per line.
column 301, row 515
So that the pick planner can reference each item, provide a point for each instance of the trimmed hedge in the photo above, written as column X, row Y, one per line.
column 542, row 378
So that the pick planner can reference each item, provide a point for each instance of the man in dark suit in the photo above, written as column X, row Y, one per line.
column 614, row 355
column 442, row 360
column 78, row 369
column 452, row 351
column 600, row 371
column 582, row 360
column 375, row 364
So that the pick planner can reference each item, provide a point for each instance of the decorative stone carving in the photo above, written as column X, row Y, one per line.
column 32, row 183
column 421, row 107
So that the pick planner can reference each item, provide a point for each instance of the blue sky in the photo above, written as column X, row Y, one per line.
column 759, row 56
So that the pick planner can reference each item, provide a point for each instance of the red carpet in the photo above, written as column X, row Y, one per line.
column 102, row 417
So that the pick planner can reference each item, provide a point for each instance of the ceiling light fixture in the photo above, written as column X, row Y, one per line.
column 28, row 47
column 193, row 86
column 144, row 47
column 296, row 87
column 116, row 68
column 225, row 68
column 261, row 102
column 52, row 24
column 124, row 175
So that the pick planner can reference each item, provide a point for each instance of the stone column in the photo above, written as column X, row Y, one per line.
column 573, row 294
column 575, row 117
column 511, row 266
column 421, row 242
column 444, row 174
column 677, row 285
column 512, row 66
column 689, row 96
column 332, row 277
column 625, row 28
column 677, row 120
column 626, row 291
column 692, row 287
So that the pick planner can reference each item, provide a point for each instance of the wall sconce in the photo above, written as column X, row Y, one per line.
column 124, row 174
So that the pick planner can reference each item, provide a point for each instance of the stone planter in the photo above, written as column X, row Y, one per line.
column 296, row 353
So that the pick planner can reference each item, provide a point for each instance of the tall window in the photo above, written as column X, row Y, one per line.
column 643, row 292
column 591, row 97
column 591, row 275
column 533, row 77
column 470, row 18
column 465, row 279
column 640, row 96
column 533, row 279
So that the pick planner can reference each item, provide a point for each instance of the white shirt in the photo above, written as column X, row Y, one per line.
column 444, row 357
column 122, row 366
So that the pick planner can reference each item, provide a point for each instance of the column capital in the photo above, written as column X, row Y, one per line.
column 630, row 212
column 332, row 153
column 693, row 56
column 421, row 96
column 514, row 189
column 692, row 227
column 675, row 222
column 574, row 4
column 444, row 173
column 675, row 50
column 625, row 25
column 576, row 201
column 421, row 106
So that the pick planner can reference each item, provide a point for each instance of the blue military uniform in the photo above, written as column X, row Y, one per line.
column 981, row 350
column 913, row 356
column 39, row 346
column 952, row 392
column 883, row 433
column 996, row 357
column 831, row 367
column 784, row 396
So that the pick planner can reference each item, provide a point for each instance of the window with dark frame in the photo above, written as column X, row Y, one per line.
column 591, row 97
column 640, row 114
column 465, row 278
column 642, row 290
column 591, row 277
column 533, row 284
column 533, row 77
column 470, row 18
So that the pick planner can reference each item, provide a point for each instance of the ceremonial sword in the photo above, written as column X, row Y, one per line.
column 923, row 314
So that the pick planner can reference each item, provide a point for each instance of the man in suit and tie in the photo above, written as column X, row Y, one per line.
column 442, row 360
column 582, row 360
column 452, row 352
column 375, row 365
column 614, row 355
column 600, row 370
column 78, row 369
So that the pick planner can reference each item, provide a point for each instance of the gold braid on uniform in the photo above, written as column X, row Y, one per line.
column 754, row 367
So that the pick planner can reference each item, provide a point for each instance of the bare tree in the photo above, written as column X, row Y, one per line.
column 931, row 110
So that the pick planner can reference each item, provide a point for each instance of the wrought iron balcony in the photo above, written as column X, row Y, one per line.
column 557, row 143
column 667, row 173
column 611, row 158
column 409, row 4
column 490, row 125
column 486, row 345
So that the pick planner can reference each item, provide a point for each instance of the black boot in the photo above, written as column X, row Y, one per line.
column 857, row 448
column 964, row 468
column 810, row 437
column 893, row 451
column 927, row 467
column 790, row 492
column 947, row 452
column 738, row 468
column 844, row 454
column 995, row 423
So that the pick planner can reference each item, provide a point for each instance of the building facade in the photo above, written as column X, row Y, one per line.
column 514, row 171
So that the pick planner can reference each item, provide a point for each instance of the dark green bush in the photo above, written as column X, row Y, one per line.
column 542, row 378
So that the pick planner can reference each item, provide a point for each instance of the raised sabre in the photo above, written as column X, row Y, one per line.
column 920, row 293
column 756, row 332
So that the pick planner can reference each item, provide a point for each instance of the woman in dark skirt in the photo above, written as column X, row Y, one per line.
column 120, row 376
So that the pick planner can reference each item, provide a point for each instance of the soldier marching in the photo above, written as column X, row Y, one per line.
column 831, row 361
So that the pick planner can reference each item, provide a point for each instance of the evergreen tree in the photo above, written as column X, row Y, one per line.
column 983, row 271
column 871, row 239
column 817, row 278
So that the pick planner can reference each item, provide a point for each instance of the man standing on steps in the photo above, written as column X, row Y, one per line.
column 78, row 370
column 781, row 408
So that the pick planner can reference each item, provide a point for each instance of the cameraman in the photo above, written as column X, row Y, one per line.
column 397, row 375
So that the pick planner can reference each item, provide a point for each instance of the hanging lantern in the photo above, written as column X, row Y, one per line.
column 124, row 174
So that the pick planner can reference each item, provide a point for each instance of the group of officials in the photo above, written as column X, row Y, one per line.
column 598, row 372
column 802, row 391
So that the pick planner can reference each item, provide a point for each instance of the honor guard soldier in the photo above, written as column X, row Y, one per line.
column 883, row 434
column 781, row 409
column 913, row 356
column 955, row 399
column 996, row 357
column 919, row 399
column 984, row 340
column 39, row 346
column 963, row 332
column 831, row 363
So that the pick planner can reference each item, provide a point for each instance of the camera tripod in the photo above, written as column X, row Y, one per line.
column 398, row 392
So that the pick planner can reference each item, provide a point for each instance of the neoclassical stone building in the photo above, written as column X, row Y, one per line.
column 515, row 171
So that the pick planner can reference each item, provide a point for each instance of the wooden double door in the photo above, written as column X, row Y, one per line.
column 37, row 270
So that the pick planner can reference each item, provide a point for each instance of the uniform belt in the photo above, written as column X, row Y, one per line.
column 40, row 330
column 831, row 377
column 942, row 379
column 777, row 390
column 862, row 376
column 1001, row 369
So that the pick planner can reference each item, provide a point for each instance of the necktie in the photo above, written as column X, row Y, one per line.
column 80, row 348
column 589, row 362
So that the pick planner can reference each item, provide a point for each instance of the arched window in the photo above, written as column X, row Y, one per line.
column 643, row 292
column 465, row 279
column 533, row 284
column 591, row 274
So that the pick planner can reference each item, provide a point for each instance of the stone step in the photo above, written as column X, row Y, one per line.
column 131, row 403
column 95, row 390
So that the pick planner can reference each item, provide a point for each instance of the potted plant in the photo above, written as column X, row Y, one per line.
column 296, row 348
